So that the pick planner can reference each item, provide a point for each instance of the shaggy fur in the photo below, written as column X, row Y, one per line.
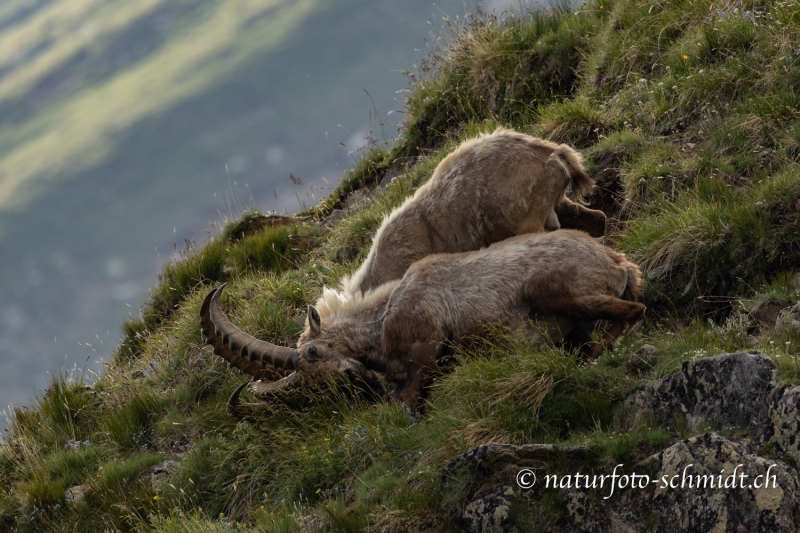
column 403, row 329
column 490, row 188
column 450, row 298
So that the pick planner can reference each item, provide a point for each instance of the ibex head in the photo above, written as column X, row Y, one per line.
column 275, row 369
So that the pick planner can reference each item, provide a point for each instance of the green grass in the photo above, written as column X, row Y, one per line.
column 704, row 155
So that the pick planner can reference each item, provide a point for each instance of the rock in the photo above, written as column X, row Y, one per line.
column 485, row 457
column 492, row 512
column 161, row 474
column 701, row 464
column 721, row 490
column 763, row 316
column 75, row 495
column 393, row 171
column 335, row 216
column 725, row 391
column 641, row 360
column 485, row 477
column 789, row 320
column 782, row 432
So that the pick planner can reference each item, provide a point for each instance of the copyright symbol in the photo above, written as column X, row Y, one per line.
column 526, row 478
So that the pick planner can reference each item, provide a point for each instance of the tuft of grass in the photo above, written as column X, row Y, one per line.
column 133, row 339
column 493, row 68
column 578, row 122
column 195, row 267
column 269, row 249
column 129, row 425
column 367, row 173
column 714, row 243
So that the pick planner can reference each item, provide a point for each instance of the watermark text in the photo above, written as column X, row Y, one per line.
column 688, row 478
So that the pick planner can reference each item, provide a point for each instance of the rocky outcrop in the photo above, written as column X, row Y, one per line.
column 495, row 505
column 721, row 485
column 763, row 316
column 778, row 315
column 707, row 483
column 781, row 433
column 703, row 484
column 718, row 392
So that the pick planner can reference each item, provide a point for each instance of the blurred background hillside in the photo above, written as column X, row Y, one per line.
column 128, row 128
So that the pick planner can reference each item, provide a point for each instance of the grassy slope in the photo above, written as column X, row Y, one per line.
column 687, row 110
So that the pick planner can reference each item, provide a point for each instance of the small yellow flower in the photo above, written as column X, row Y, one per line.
column 685, row 57
column 327, row 439
column 155, row 497
column 318, row 491
column 601, row 6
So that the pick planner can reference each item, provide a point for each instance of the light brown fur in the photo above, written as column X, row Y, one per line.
column 490, row 188
column 449, row 298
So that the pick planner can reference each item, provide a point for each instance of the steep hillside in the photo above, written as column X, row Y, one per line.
column 687, row 113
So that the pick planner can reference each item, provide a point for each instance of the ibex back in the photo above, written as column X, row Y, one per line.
column 446, row 299
column 490, row 188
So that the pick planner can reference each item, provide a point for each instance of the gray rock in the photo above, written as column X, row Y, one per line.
column 485, row 477
column 782, row 430
column 703, row 505
column 161, row 474
column 714, row 496
column 492, row 512
column 75, row 495
column 394, row 171
column 641, row 360
column 788, row 320
column 486, row 457
column 725, row 391
column 335, row 216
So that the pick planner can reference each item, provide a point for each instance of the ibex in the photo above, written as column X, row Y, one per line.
column 403, row 328
column 490, row 188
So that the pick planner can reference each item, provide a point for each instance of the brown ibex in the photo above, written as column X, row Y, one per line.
column 402, row 328
column 490, row 188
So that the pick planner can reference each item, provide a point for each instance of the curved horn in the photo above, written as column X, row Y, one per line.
column 261, row 389
column 245, row 352
column 266, row 389
column 234, row 409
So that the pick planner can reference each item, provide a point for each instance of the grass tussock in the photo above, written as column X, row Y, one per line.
column 687, row 115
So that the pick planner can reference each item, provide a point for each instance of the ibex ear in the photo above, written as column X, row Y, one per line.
column 313, row 320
